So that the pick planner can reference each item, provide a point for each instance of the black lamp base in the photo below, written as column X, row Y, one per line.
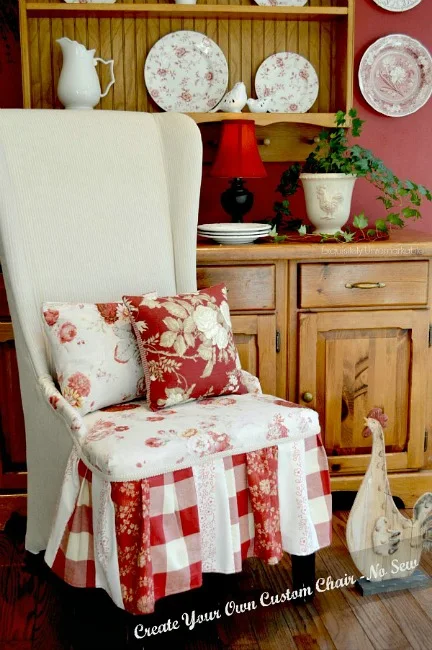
column 237, row 200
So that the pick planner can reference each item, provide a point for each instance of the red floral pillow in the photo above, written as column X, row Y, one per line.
column 187, row 346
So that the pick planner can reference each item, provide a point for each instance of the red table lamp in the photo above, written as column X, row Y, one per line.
column 238, row 158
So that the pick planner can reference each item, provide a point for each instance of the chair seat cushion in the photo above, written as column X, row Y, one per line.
column 129, row 441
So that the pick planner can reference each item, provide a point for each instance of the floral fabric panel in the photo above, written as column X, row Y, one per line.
column 131, row 506
column 129, row 441
column 94, row 353
column 262, row 476
column 187, row 346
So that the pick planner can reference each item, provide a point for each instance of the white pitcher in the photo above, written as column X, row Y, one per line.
column 79, row 87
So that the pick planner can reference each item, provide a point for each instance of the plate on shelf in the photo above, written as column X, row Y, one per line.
column 233, row 239
column 395, row 75
column 286, row 3
column 397, row 5
column 89, row 2
column 235, row 228
column 186, row 72
column 290, row 80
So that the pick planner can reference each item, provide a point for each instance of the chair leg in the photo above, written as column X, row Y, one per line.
column 303, row 577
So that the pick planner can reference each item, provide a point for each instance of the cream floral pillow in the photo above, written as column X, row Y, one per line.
column 94, row 352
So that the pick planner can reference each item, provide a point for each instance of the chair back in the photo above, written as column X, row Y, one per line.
column 94, row 205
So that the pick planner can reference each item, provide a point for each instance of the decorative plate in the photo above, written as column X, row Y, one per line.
column 290, row 80
column 287, row 3
column 85, row 2
column 395, row 75
column 233, row 240
column 397, row 5
column 186, row 72
column 237, row 228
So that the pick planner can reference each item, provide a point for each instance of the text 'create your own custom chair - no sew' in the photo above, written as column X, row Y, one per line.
column 95, row 206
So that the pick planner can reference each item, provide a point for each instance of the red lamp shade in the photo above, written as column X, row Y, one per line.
column 238, row 155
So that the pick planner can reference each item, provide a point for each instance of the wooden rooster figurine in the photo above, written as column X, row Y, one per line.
column 383, row 543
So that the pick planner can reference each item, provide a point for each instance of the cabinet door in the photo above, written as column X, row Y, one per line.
column 255, row 337
column 12, row 432
column 351, row 362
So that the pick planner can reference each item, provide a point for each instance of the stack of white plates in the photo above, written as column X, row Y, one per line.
column 234, row 233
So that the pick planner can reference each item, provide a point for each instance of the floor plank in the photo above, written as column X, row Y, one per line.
column 17, row 602
column 303, row 621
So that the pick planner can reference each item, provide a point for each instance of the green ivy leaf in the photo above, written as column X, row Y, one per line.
column 410, row 212
column 348, row 236
column 395, row 220
column 360, row 221
column 388, row 203
column 302, row 230
column 381, row 225
column 371, row 232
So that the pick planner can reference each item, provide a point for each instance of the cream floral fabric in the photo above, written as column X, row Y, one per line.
column 94, row 352
column 129, row 441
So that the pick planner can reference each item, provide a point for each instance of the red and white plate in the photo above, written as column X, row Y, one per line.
column 397, row 5
column 287, row 3
column 290, row 80
column 186, row 72
column 84, row 2
column 395, row 75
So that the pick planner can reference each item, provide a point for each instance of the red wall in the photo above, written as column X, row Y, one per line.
column 405, row 144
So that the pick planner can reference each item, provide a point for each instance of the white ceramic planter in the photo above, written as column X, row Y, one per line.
column 328, row 200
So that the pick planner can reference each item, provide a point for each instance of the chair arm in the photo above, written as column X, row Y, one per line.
column 251, row 383
column 62, row 408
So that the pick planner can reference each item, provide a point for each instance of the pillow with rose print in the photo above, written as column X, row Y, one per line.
column 187, row 346
column 94, row 352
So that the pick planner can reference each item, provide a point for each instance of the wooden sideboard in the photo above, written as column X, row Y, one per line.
column 315, row 338
column 341, row 328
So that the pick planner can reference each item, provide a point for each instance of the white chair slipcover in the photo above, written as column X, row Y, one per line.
column 93, row 205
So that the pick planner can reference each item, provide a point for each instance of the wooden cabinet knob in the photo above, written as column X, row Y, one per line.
column 335, row 467
column 307, row 397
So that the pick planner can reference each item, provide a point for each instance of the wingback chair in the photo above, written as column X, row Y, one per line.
column 95, row 205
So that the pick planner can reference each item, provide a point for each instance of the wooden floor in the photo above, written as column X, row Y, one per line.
column 39, row 612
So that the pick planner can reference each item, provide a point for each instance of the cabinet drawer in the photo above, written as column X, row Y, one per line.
column 381, row 284
column 249, row 287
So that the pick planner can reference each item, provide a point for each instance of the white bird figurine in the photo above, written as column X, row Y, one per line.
column 258, row 105
column 383, row 543
column 234, row 101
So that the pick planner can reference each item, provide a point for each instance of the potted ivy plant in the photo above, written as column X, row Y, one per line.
column 328, row 176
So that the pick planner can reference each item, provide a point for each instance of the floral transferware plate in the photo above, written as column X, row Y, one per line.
column 395, row 75
column 186, row 72
column 290, row 80
column 397, row 5
column 287, row 3
column 234, row 228
column 85, row 2
column 233, row 240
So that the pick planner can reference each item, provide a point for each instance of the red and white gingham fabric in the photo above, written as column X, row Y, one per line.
column 161, row 546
